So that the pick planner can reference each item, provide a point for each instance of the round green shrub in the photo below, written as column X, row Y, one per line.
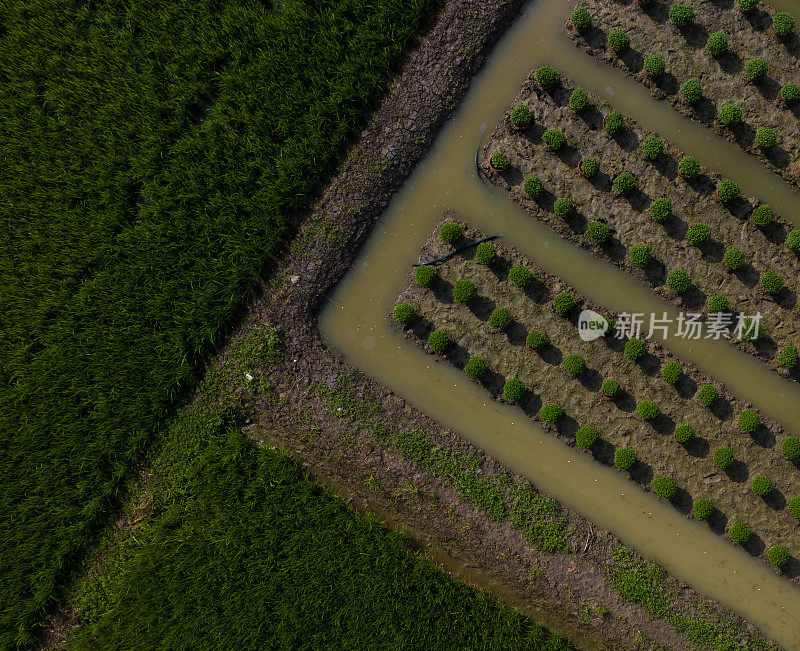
column 763, row 215
column 439, row 341
column 562, row 207
column 520, row 276
column 546, row 76
column 533, row 187
column 574, row 364
column 665, row 487
column 513, row 389
column 717, row 43
column 707, row 394
column 749, row 421
column 684, row 434
column 702, row 509
column 499, row 161
column 678, row 281
column 588, row 167
column 778, row 555
column 598, row 232
column 772, row 282
column 586, row 437
column 730, row 115
column 424, row 275
column 475, row 368
column 611, row 389
column 536, row 340
column 647, row 409
column 756, row 68
column 500, row 319
column 748, row 5
column 727, row 190
column 794, row 507
column 751, row 329
column 613, row 122
column 450, row 232
column 578, row 100
column 521, row 115
column 734, row 258
column 485, row 253
column 791, row 447
column 661, row 209
column 723, row 458
column 793, row 240
column 671, row 372
column 581, row 18
column 618, row 41
column 740, row 532
column 692, row 91
column 652, row 147
column 564, row 302
column 698, row 234
column 766, row 137
column 681, row 15
column 688, row 167
column 717, row 303
column 624, row 183
column 761, row 486
column 640, row 255
column 551, row 413
column 403, row 313
column 654, row 65
column 787, row 356
column 554, row 138
column 790, row 92
column 624, row 458
column 635, row 349
column 783, row 23
column 464, row 291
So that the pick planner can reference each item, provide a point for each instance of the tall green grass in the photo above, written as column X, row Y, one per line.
column 153, row 155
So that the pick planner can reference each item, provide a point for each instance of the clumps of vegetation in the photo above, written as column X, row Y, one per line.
column 536, row 340
column 766, row 137
column 652, row 147
column 424, row 275
column 790, row 92
column 727, row 190
column 793, row 240
column 734, row 258
column 748, row 5
column 624, row 458
column 783, row 23
column 533, row 187
column 787, row 356
column 763, row 215
column 702, row 509
column 661, row 209
column 681, row 15
column 654, row 65
column 794, row 508
column 520, row 276
column 578, row 100
column 611, row 389
column 698, row 234
column 684, row 434
column 618, row 41
column 588, row 166
column 665, row 487
column 756, row 68
column 551, row 413
column 772, row 283
column 692, row 91
column 598, row 232
column 564, row 302
column 574, row 365
column 562, row 207
column 581, row 19
column 499, row 161
column 521, row 116
column 439, row 340
column 791, row 447
column 613, row 122
column 639, row 255
column 751, row 329
column 450, row 232
column 485, row 253
column 513, row 389
column 761, row 486
column 707, row 394
column 717, row 303
column 678, row 281
column 464, row 291
column 635, row 349
column 546, row 77
column 778, row 555
column 625, row 183
column 723, row 458
column 688, row 167
column 730, row 115
column 475, row 368
column 717, row 43
column 500, row 319
column 749, row 421
column 740, row 532
column 554, row 139
column 648, row 410
column 671, row 372
column 586, row 437
column 404, row 313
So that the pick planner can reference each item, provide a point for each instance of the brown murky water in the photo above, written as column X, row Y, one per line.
column 356, row 324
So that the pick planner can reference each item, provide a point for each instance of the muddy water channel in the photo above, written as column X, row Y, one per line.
column 356, row 324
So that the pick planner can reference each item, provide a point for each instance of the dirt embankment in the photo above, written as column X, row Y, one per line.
column 723, row 78
column 629, row 219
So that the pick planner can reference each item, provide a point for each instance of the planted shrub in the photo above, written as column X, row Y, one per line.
column 450, row 232
column 485, row 253
column 624, row 458
column 761, row 486
column 717, row 43
column 661, row 209
column 717, row 303
column 611, row 389
column 794, row 507
column 678, row 281
column 787, row 356
column 618, row 41
column 749, row 421
column 791, row 447
column 533, row 187
column 499, row 161
column 681, row 15
column 403, row 313
column 790, row 92
column 698, row 234
column 647, row 409
column 751, row 329
column 740, row 532
column 586, row 437
column 635, row 349
column 783, row 23
column 748, row 5
column 598, row 232
column 564, row 302
column 554, row 138
column 756, row 68
column 475, row 368
column 702, row 509
column 546, row 76
column 439, row 340
column 727, row 190
column 766, row 137
column 684, row 434
column 574, row 364
column 578, row 100
column 536, row 340
column 521, row 116
column 671, row 372
column 665, row 487
column 778, row 555
column 588, row 167
column 581, row 19
column 424, row 275
column 692, row 91
column 500, row 319
column 652, row 147
column 730, row 115
column 513, row 389
column 654, row 65
column 551, row 413
column 793, row 240
column 734, row 258
column 723, row 458
column 707, row 394
column 640, row 255
column 562, row 207
column 520, row 276
column 464, row 291
column 624, row 183
column 613, row 122
column 763, row 215
column 772, row 282
column 688, row 167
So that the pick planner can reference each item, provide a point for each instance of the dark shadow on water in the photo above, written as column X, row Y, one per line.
column 718, row 522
